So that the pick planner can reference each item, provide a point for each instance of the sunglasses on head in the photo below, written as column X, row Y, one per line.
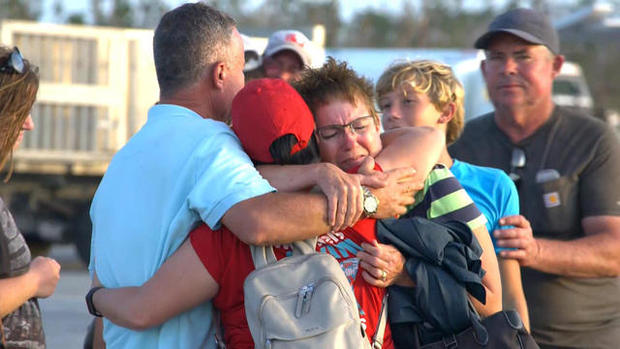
column 15, row 63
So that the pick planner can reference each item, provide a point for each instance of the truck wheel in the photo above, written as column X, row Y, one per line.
column 81, row 236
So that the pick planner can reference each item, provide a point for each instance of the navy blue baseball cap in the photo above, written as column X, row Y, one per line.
column 527, row 24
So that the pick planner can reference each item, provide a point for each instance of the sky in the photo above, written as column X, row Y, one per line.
column 348, row 7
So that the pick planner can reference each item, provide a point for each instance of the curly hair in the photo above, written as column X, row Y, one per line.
column 335, row 80
column 17, row 95
column 435, row 80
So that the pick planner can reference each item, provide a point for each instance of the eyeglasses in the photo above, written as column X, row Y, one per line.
column 15, row 63
column 357, row 126
column 517, row 162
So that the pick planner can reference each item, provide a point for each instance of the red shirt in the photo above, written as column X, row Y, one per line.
column 343, row 246
column 229, row 262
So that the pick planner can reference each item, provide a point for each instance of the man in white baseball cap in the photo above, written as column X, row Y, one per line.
column 287, row 54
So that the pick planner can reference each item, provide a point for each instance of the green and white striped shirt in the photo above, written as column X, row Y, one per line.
column 443, row 199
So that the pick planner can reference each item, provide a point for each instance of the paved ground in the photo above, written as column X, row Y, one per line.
column 65, row 317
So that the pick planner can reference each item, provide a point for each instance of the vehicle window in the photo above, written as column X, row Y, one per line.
column 566, row 87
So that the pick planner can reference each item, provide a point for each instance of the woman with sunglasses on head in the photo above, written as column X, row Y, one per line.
column 22, row 279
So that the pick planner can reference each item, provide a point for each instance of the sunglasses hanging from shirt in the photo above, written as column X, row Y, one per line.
column 517, row 162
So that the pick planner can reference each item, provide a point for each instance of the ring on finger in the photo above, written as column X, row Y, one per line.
column 383, row 275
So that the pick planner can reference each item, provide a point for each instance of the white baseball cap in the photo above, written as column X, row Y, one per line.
column 292, row 40
column 252, row 53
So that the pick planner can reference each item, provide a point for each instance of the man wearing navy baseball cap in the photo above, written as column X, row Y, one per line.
column 529, row 25
column 566, row 166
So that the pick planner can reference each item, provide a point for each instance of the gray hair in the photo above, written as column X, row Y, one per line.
column 187, row 40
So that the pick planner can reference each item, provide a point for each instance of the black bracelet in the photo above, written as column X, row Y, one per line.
column 89, row 301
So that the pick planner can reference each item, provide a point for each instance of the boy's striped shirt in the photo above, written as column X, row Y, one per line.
column 444, row 199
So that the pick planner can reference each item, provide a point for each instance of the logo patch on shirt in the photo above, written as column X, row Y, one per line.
column 330, row 238
column 552, row 199
column 350, row 268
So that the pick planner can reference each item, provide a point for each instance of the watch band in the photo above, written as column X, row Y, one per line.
column 89, row 301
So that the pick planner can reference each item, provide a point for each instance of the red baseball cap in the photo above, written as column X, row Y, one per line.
column 265, row 110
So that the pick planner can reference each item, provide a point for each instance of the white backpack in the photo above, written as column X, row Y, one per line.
column 302, row 301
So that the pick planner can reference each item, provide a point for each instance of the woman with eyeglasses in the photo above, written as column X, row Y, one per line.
column 132, row 307
column 348, row 131
column 22, row 279
column 274, row 126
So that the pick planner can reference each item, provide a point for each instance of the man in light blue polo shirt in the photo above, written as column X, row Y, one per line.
column 186, row 165
column 154, row 190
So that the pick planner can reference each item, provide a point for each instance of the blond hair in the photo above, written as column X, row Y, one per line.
column 436, row 80
column 17, row 95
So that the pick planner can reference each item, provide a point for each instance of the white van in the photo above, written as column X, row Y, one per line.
column 570, row 88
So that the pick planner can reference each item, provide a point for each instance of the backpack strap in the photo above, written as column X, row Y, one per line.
column 377, row 339
column 264, row 255
column 219, row 330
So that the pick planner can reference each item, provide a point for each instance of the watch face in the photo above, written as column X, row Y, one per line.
column 370, row 204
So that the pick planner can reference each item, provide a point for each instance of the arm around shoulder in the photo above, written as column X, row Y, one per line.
column 278, row 218
column 417, row 147
column 179, row 285
column 290, row 178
